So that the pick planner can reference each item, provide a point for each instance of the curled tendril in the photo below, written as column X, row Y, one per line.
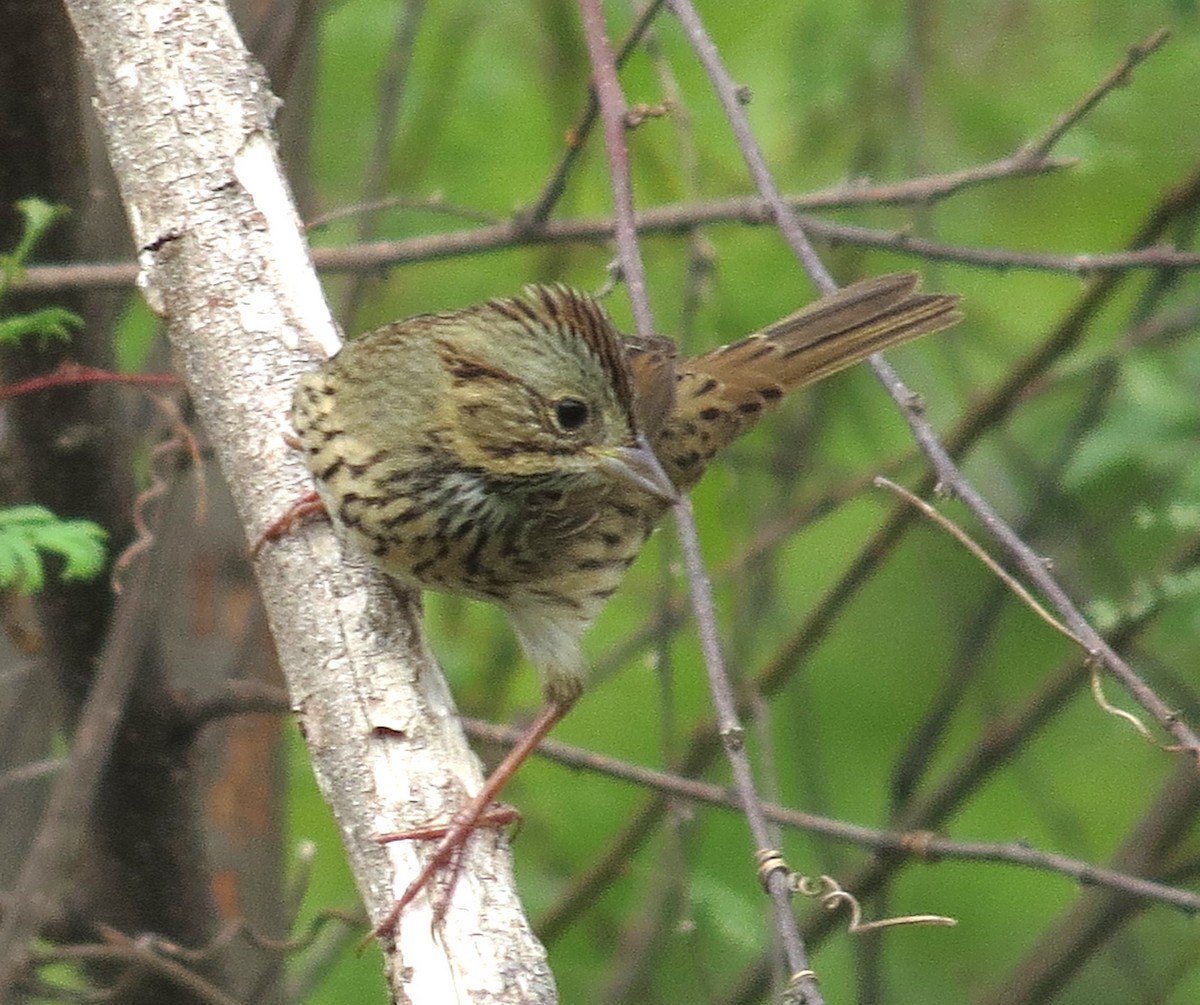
column 1106, row 706
column 770, row 861
column 182, row 440
column 830, row 895
column 795, row 990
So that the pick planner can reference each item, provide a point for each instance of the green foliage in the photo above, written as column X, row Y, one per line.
column 38, row 218
column 1102, row 438
column 50, row 323
column 27, row 531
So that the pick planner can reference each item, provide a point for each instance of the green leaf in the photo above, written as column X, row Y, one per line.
column 28, row 574
column 39, row 217
column 45, row 325
column 28, row 531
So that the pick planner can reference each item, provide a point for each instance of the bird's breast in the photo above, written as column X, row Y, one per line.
column 456, row 530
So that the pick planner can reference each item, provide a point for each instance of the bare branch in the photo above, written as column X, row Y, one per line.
column 245, row 316
column 920, row 845
column 34, row 896
column 1032, row 564
column 1119, row 77
column 948, row 472
column 662, row 220
column 963, row 538
column 612, row 110
column 537, row 214
column 613, row 114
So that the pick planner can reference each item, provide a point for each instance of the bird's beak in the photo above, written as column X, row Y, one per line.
column 638, row 466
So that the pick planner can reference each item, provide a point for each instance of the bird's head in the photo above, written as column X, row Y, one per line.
column 539, row 392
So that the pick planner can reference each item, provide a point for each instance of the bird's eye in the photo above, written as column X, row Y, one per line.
column 571, row 413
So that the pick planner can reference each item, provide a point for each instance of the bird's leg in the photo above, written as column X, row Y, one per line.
column 304, row 508
column 307, row 506
column 498, row 815
column 478, row 812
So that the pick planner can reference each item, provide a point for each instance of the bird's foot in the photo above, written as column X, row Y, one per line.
column 306, row 507
column 480, row 811
column 446, row 860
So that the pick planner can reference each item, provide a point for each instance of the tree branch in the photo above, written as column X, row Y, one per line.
column 188, row 118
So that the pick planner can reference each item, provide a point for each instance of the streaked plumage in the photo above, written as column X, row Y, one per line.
column 501, row 451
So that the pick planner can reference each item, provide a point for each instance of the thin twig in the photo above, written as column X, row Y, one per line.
column 699, row 250
column 975, row 549
column 612, row 115
column 392, row 89
column 393, row 81
column 679, row 218
column 55, row 843
column 1001, row 739
column 991, row 411
column 435, row 204
column 1119, row 77
column 926, row 739
column 731, row 98
column 237, row 697
column 30, row 772
column 612, row 112
column 1032, row 564
column 136, row 955
column 240, row 928
column 70, row 374
column 1073, row 939
column 948, row 472
column 537, row 214
column 730, row 730
column 1029, row 160
column 1081, row 264
column 923, row 845
column 994, row 748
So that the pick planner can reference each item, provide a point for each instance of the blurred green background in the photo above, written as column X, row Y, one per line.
column 1094, row 460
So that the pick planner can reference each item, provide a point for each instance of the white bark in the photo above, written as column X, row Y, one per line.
column 188, row 117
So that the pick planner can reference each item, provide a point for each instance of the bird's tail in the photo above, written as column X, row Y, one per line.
column 722, row 394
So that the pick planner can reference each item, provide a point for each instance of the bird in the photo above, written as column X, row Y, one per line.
column 521, row 451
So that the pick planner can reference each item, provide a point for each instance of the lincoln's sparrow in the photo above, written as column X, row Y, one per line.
column 522, row 450
column 500, row 451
